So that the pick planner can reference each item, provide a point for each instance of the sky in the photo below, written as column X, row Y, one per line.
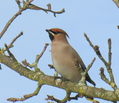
column 97, row 18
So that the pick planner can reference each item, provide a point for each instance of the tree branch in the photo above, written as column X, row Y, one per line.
column 9, row 22
column 34, row 7
column 12, row 42
column 109, row 63
column 111, row 82
column 83, row 79
column 35, row 64
column 26, row 5
column 21, row 9
column 116, row 2
column 96, row 49
column 103, row 77
column 50, row 80
column 25, row 97
column 10, row 54
column 40, row 55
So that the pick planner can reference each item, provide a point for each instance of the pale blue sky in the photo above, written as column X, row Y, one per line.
column 97, row 18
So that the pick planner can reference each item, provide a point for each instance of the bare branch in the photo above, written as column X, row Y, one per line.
column 87, row 38
column 18, row 3
column 40, row 55
column 26, row 5
column 116, row 2
column 109, row 62
column 49, row 6
column 83, row 79
column 103, row 77
column 12, row 42
column 109, row 52
column 96, row 49
column 67, row 85
column 111, row 82
column 67, row 98
column 90, row 65
column 34, row 7
column 25, row 63
column 10, row 45
column 25, row 97
column 35, row 64
column 10, row 54
column 9, row 22
column 15, row 16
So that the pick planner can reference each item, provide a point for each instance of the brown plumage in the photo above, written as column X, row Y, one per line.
column 65, row 59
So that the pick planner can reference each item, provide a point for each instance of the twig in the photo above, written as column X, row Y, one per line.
column 26, row 5
column 10, row 54
column 96, row 49
column 67, row 98
column 18, row 3
column 109, row 69
column 31, row 1
column 12, row 42
column 15, row 16
column 27, row 64
column 111, row 82
column 35, row 64
column 34, row 7
column 25, row 97
column 83, row 79
column 52, row 98
column 40, row 55
column 9, row 22
column 103, row 77
column 109, row 61
column 116, row 2
column 109, row 52
column 90, row 65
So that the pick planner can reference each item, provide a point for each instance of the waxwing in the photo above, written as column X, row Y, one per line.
column 66, row 60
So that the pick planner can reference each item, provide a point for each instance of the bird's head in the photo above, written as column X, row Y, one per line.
column 56, row 33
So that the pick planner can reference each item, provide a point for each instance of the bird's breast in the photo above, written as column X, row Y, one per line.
column 64, row 62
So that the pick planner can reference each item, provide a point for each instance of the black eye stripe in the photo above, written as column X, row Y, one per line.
column 55, row 32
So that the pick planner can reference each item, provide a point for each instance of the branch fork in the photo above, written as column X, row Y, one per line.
column 27, row 5
column 107, row 64
column 35, row 64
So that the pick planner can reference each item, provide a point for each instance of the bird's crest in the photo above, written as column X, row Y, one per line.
column 57, row 30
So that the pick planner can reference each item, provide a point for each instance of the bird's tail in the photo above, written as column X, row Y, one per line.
column 90, row 80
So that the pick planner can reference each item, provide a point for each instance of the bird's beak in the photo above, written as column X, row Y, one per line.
column 47, row 30
column 50, row 32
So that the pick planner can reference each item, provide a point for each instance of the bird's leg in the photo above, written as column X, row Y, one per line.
column 82, row 82
column 58, row 78
column 56, row 73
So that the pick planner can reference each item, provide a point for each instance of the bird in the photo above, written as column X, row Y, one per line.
column 66, row 60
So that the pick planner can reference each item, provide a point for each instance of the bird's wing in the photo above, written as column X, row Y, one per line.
column 76, row 59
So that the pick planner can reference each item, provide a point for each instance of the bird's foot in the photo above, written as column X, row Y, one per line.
column 58, row 80
column 56, row 74
column 81, row 83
